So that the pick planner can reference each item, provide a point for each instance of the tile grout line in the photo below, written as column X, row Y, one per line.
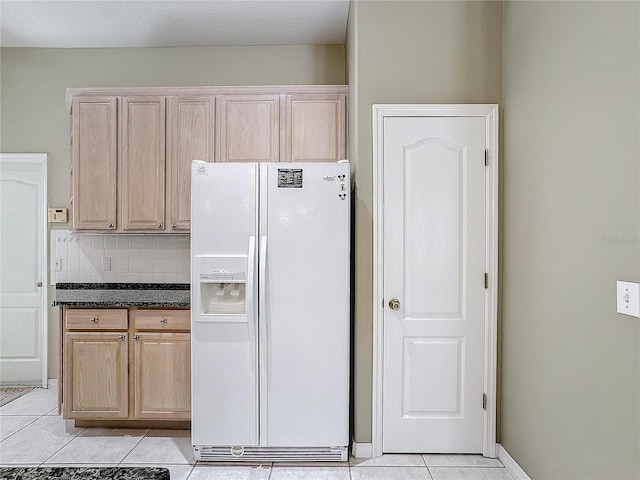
column 72, row 439
column 133, row 448
column 427, row 465
column 21, row 428
column 63, row 446
column 190, row 471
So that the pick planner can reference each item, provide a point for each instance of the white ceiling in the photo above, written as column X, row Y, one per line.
column 171, row 23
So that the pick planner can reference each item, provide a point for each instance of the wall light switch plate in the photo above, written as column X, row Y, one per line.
column 628, row 298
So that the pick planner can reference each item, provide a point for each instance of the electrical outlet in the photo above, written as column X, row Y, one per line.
column 628, row 298
column 57, row 264
column 106, row 264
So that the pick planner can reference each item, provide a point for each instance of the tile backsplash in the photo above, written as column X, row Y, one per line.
column 110, row 258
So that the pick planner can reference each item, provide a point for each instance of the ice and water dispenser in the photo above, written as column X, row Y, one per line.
column 223, row 286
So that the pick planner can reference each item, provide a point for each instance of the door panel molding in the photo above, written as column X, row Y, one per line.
column 490, row 113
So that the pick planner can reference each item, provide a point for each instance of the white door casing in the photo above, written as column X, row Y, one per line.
column 23, row 264
column 435, row 236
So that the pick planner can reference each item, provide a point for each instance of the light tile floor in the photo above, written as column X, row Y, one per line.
column 33, row 434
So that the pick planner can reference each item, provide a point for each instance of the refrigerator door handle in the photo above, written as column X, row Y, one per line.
column 251, row 324
column 263, row 288
column 250, row 290
column 262, row 326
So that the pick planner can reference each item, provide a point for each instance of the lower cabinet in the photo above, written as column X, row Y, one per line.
column 95, row 376
column 162, row 386
column 126, row 364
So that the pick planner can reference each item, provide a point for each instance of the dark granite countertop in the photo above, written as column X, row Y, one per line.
column 84, row 473
column 122, row 295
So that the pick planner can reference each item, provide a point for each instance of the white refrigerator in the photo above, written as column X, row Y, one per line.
column 270, row 329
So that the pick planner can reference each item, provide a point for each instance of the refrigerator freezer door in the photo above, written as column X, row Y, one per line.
column 305, row 370
column 224, row 206
column 224, row 346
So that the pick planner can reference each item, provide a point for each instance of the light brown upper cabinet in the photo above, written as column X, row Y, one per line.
column 142, row 163
column 94, row 150
column 190, row 132
column 315, row 128
column 133, row 147
column 249, row 128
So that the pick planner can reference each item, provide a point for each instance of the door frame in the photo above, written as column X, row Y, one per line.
column 490, row 113
column 41, row 160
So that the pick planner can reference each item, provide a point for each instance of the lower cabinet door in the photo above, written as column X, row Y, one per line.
column 95, row 375
column 161, row 375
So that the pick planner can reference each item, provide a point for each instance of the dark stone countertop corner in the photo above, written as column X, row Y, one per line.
column 84, row 473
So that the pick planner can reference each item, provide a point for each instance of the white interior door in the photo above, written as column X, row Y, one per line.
column 23, row 309
column 434, row 293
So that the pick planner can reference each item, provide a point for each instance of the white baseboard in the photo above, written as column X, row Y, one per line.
column 511, row 465
column 52, row 383
column 361, row 450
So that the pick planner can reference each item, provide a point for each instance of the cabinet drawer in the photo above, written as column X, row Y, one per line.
column 162, row 320
column 96, row 319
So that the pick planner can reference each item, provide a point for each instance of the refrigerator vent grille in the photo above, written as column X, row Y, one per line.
column 272, row 454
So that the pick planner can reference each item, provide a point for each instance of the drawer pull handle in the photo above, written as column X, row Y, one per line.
column 94, row 319
column 121, row 337
column 163, row 320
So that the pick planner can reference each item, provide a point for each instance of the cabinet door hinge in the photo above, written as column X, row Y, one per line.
column 484, row 401
column 486, row 158
column 486, row 280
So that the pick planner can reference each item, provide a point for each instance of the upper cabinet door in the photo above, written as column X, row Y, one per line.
column 248, row 128
column 315, row 128
column 142, row 163
column 190, row 137
column 94, row 150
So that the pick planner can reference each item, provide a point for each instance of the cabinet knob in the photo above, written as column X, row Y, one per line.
column 173, row 225
column 94, row 319
column 160, row 225
column 163, row 320
column 136, row 338
column 109, row 225
column 121, row 338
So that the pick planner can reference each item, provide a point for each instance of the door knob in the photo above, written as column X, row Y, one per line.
column 39, row 284
column 394, row 304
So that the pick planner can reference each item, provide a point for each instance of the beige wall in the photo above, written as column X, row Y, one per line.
column 34, row 81
column 571, row 371
column 407, row 52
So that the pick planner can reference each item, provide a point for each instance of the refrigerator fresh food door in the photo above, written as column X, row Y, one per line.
column 304, row 310
column 223, row 306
